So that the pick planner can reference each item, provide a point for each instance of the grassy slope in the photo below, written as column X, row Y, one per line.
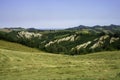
column 16, row 47
column 15, row 64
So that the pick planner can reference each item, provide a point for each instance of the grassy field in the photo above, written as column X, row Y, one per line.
column 18, row 62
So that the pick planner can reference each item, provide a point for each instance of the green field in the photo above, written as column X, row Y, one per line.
column 18, row 62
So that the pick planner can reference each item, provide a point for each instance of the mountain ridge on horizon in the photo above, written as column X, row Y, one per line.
column 68, row 28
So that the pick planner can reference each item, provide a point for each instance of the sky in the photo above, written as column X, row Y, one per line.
column 58, row 14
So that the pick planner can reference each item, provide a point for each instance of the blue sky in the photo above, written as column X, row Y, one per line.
column 58, row 13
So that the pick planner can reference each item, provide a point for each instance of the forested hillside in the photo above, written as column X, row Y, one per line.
column 72, row 41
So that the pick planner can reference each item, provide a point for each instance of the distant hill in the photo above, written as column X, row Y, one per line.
column 107, row 27
column 78, row 27
column 12, row 29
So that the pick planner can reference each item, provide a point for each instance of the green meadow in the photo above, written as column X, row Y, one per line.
column 18, row 62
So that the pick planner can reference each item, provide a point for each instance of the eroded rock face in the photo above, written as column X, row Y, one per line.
column 69, row 38
column 28, row 35
column 113, row 39
column 100, row 42
column 84, row 45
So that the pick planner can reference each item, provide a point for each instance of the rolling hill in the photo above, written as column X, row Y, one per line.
column 20, row 63
column 72, row 41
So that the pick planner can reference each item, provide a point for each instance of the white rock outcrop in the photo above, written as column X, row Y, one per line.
column 100, row 42
column 69, row 38
column 113, row 39
column 28, row 35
